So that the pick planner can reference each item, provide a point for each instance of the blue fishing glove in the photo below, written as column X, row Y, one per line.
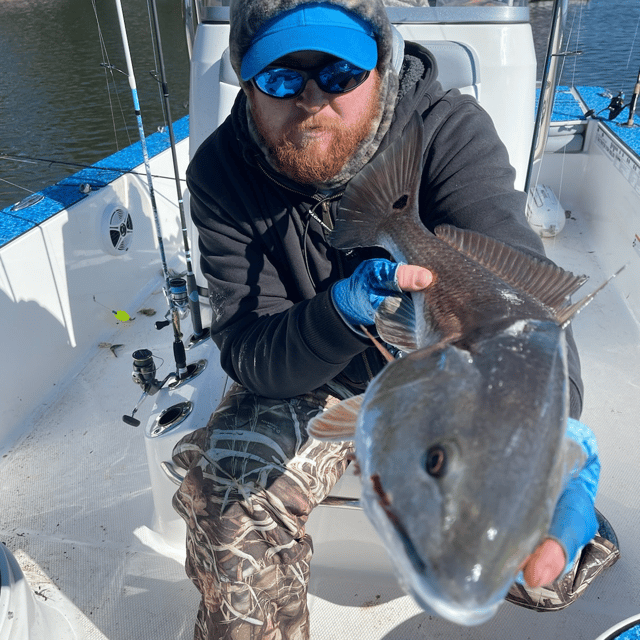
column 356, row 298
column 574, row 520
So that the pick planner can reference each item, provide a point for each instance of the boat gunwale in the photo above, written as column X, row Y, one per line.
column 70, row 190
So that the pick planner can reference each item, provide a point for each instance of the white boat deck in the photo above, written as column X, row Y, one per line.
column 77, row 504
column 77, row 487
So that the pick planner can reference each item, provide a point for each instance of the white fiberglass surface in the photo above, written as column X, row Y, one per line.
column 76, row 489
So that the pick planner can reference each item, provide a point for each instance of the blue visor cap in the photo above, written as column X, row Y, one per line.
column 312, row 27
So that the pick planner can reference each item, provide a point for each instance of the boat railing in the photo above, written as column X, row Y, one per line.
column 550, row 76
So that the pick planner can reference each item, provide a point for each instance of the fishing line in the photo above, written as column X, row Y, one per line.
column 121, row 315
column 178, row 345
column 33, row 160
column 108, row 68
column 105, row 64
column 577, row 46
column 633, row 44
column 154, row 74
column 636, row 89
column 17, row 186
column 573, row 79
column 192, row 288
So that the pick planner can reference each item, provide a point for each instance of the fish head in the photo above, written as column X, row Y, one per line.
column 460, row 451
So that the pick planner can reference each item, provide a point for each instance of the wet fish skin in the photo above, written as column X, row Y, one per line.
column 457, row 539
column 460, row 443
column 477, row 281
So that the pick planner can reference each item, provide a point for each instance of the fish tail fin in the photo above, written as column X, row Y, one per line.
column 383, row 190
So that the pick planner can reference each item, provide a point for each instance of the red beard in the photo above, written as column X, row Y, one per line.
column 310, row 160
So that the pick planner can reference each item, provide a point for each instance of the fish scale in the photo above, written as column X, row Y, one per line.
column 464, row 295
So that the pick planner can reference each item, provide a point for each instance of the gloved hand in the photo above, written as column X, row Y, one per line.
column 358, row 297
column 574, row 520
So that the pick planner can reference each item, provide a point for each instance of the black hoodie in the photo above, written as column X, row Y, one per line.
column 263, row 238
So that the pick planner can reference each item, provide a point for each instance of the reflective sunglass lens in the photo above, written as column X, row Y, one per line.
column 279, row 83
column 337, row 77
column 340, row 77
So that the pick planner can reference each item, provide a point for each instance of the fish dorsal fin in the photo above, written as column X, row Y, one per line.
column 396, row 322
column 546, row 282
column 337, row 422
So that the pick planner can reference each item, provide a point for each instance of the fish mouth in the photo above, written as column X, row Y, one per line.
column 467, row 610
column 414, row 574
column 466, row 615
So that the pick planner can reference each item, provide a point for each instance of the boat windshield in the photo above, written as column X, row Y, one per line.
column 400, row 11
column 456, row 3
column 408, row 3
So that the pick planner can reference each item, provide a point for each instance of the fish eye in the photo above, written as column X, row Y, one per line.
column 435, row 461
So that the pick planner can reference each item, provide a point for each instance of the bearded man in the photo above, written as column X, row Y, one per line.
column 326, row 86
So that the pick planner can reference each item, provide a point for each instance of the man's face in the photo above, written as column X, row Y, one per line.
column 312, row 136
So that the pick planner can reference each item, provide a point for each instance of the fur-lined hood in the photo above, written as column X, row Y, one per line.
column 248, row 16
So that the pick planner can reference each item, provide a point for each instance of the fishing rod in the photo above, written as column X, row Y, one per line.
column 634, row 102
column 178, row 345
column 617, row 106
column 192, row 288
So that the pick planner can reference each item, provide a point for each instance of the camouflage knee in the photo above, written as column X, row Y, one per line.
column 254, row 475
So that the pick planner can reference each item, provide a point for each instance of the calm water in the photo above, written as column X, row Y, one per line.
column 57, row 102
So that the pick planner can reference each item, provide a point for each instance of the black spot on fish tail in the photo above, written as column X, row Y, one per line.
column 401, row 202
column 384, row 188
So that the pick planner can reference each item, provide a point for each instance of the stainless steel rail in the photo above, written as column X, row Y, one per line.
column 547, row 88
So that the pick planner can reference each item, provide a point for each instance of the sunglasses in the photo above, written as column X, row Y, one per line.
column 336, row 77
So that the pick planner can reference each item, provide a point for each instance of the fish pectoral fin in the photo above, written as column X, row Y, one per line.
column 337, row 422
column 545, row 281
column 396, row 322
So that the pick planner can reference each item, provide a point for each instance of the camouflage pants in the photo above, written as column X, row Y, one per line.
column 254, row 475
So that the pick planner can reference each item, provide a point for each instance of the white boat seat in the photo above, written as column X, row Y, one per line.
column 458, row 66
column 227, row 74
